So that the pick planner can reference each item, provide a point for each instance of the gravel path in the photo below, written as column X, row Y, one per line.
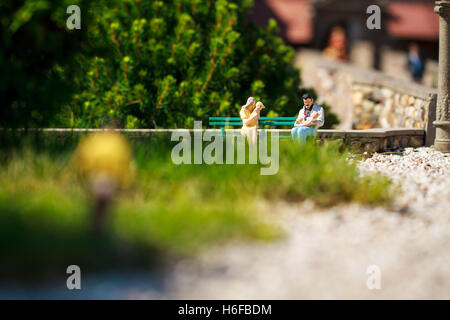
column 326, row 253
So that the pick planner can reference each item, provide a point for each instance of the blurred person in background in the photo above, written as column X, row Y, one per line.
column 337, row 44
column 415, row 62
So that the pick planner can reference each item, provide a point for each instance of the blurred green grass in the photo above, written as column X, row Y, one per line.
column 169, row 210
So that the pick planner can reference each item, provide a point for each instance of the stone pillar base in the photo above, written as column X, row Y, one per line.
column 442, row 141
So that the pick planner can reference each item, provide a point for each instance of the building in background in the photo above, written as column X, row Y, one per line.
column 313, row 24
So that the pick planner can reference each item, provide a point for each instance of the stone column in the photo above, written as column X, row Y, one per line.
column 442, row 123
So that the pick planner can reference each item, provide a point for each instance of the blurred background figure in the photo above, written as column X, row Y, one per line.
column 104, row 161
column 337, row 44
column 415, row 62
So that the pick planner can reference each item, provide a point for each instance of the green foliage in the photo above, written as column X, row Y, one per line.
column 175, row 61
column 37, row 59
column 138, row 63
column 171, row 209
column 331, row 119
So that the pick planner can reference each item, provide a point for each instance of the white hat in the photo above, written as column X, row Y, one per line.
column 250, row 101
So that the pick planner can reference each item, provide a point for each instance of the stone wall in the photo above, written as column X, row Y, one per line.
column 371, row 140
column 365, row 99
column 394, row 63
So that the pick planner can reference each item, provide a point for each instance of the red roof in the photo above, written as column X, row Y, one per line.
column 413, row 21
column 408, row 20
column 296, row 16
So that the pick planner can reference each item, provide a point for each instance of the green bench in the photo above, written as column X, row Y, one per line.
column 263, row 122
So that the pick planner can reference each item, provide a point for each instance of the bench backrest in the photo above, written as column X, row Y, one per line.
column 263, row 121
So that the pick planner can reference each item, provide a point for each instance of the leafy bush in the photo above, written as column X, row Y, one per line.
column 138, row 63
column 176, row 61
column 37, row 59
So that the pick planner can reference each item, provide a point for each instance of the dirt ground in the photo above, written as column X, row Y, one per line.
column 338, row 253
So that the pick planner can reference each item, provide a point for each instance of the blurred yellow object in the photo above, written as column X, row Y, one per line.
column 105, row 154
